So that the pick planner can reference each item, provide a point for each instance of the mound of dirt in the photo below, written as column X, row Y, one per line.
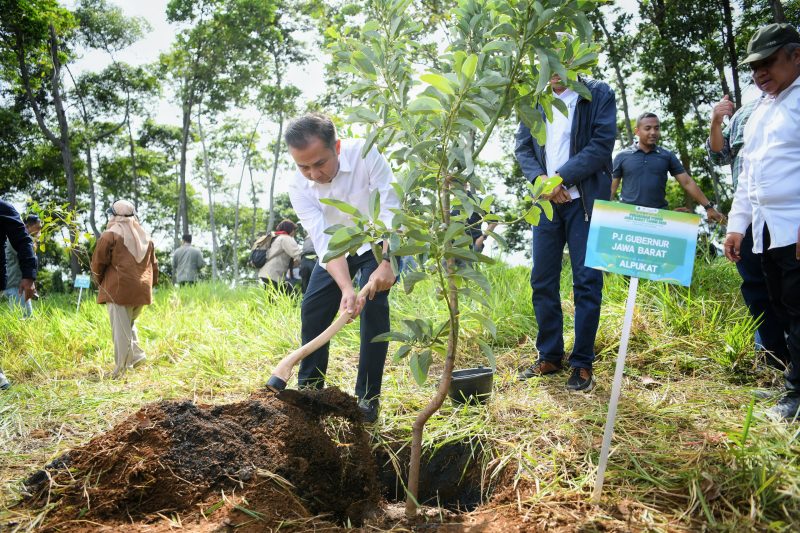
column 255, row 463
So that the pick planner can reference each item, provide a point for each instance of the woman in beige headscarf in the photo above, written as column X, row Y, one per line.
column 125, row 269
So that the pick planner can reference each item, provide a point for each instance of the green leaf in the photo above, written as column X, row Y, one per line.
column 401, row 352
column 477, row 278
column 391, row 336
column 489, row 353
column 501, row 241
column 412, row 278
column 486, row 322
column 547, row 207
column 425, row 104
column 533, row 215
column 456, row 228
column 342, row 206
column 551, row 183
column 477, row 112
column 438, row 81
column 474, row 295
column 411, row 249
column 544, row 70
column 363, row 114
column 503, row 46
column 375, row 204
column 360, row 60
column 420, row 363
column 469, row 66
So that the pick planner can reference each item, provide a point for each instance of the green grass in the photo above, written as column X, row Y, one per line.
column 690, row 448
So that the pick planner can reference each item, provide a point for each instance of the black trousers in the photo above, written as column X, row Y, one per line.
column 320, row 305
column 782, row 270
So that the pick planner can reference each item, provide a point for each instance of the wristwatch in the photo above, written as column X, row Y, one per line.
column 386, row 257
column 708, row 206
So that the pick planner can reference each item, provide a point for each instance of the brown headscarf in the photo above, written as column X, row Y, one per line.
column 125, row 224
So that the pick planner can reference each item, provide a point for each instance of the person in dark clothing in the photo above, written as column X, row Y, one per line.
column 578, row 149
column 13, row 229
column 308, row 259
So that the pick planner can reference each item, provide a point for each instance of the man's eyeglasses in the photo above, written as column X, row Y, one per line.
column 765, row 63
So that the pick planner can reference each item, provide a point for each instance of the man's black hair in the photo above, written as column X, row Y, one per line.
column 187, row 238
column 30, row 220
column 646, row 114
column 302, row 130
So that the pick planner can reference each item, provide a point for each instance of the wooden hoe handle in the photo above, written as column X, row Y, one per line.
column 283, row 370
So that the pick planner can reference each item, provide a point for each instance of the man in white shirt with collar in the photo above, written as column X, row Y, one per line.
column 768, row 192
column 328, row 167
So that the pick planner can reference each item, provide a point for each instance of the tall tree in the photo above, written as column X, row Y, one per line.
column 214, row 61
column 33, row 53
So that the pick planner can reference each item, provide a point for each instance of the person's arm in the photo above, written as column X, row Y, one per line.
column 101, row 257
column 22, row 244
column 697, row 194
column 595, row 155
column 614, row 187
column 380, row 179
column 531, row 167
column 616, row 174
column 718, row 140
column 199, row 257
column 340, row 272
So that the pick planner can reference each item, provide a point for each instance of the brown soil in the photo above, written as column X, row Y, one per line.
column 257, row 463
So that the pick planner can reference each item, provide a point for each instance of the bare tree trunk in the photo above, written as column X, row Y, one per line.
column 177, row 208
column 777, row 11
column 210, row 187
column 417, row 428
column 730, row 44
column 275, row 156
column 254, row 199
column 245, row 164
column 92, row 194
column 612, row 54
column 183, row 207
column 66, row 150
column 132, row 148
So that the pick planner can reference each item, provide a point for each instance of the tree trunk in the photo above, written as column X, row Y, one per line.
column 612, row 54
column 177, row 208
column 275, row 155
column 730, row 44
column 777, row 11
column 254, row 199
column 92, row 194
column 66, row 150
column 183, row 203
column 245, row 164
column 417, row 428
column 210, row 187
column 135, row 174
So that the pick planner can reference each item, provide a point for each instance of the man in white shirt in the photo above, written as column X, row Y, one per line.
column 768, row 192
column 328, row 167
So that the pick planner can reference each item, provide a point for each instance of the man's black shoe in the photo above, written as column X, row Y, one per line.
column 787, row 408
column 539, row 369
column 369, row 408
column 581, row 380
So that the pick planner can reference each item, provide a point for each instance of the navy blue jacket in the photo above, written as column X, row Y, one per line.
column 12, row 227
column 594, row 131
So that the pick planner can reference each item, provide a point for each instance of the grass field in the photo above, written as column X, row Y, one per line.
column 692, row 449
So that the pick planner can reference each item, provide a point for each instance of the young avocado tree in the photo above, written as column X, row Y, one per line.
column 433, row 111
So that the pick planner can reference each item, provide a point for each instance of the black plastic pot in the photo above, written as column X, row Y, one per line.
column 471, row 385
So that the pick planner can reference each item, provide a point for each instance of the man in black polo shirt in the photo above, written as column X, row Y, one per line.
column 643, row 168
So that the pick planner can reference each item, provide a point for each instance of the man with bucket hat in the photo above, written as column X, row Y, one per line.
column 768, row 193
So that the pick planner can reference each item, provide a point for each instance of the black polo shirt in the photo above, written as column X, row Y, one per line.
column 644, row 175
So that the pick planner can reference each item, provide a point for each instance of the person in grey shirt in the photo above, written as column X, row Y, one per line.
column 187, row 261
column 14, row 272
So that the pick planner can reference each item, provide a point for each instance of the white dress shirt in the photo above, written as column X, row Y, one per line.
column 559, row 132
column 357, row 178
column 769, row 185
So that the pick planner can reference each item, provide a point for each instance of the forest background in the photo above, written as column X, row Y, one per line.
column 91, row 110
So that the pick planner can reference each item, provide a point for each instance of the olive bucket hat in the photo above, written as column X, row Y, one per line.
column 768, row 39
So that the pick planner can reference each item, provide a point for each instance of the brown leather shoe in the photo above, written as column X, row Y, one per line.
column 539, row 369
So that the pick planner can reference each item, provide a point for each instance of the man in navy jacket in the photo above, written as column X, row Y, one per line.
column 578, row 148
column 12, row 228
